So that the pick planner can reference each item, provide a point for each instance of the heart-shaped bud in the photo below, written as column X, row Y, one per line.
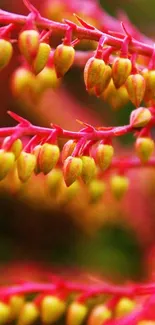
column 119, row 186
column 6, row 52
column 16, row 303
column 76, row 313
column 7, row 160
column 121, row 69
column 93, row 72
column 28, row 43
column 22, row 81
column 149, row 76
column 54, row 181
column 124, row 307
column 67, row 149
column 16, row 146
column 116, row 98
column 144, row 148
column 29, row 314
column 136, row 85
column 96, row 189
column 41, row 58
column 63, row 59
column 47, row 78
column 140, row 117
column 72, row 169
column 48, row 157
column 52, row 309
column 104, row 82
column 103, row 156
column 88, row 169
column 99, row 315
column 26, row 164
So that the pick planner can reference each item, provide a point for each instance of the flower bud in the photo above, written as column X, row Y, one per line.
column 103, row 155
column 4, row 313
column 47, row 78
column 7, row 160
column 16, row 147
column 22, row 81
column 119, row 186
column 28, row 43
column 54, row 181
column 72, row 169
column 102, row 84
column 140, row 117
column 67, row 149
column 52, row 308
column 121, row 69
column 76, row 313
column 93, row 72
column 149, row 77
column 96, row 190
column 88, row 169
column 16, row 303
column 41, row 58
column 36, row 151
column 99, row 315
column 135, row 85
column 48, row 157
column 29, row 314
column 144, row 148
column 6, row 52
column 116, row 98
column 63, row 59
column 25, row 165
column 124, row 307
column 71, row 192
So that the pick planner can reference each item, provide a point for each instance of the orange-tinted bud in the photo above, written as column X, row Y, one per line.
column 144, row 148
column 135, row 85
column 76, row 313
column 7, row 160
column 47, row 78
column 67, row 149
column 6, row 52
column 72, row 169
column 116, row 98
column 52, row 308
column 22, row 81
column 96, row 189
column 4, row 313
column 93, row 72
column 119, row 186
column 121, row 69
column 104, row 82
column 54, row 181
column 149, row 77
column 88, row 169
column 63, row 59
column 140, row 117
column 25, row 165
column 16, row 303
column 103, row 156
column 124, row 307
column 48, row 157
column 28, row 314
column 99, row 315
column 28, row 43
column 41, row 58
column 16, row 147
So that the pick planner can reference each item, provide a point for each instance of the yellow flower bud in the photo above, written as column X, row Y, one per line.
column 71, row 192
column 22, row 81
column 36, row 151
column 102, row 85
column 63, row 59
column 135, row 85
column 76, row 313
column 99, row 315
column 52, row 308
column 6, row 52
column 88, row 169
column 54, row 181
column 48, row 157
column 116, row 98
column 28, row 43
column 103, row 156
column 16, row 147
column 149, row 77
column 119, row 186
column 25, row 165
column 72, row 169
column 7, row 160
column 124, row 307
column 93, row 72
column 16, row 303
column 4, row 313
column 144, row 148
column 67, row 149
column 140, row 117
column 41, row 58
column 96, row 189
column 28, row 314
column 46, row 79
column 121, row 69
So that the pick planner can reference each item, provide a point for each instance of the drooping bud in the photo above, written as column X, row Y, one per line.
column 76, row 313
column 124, row 307
column 67, row 149
column 99, row 315
column 71, row 192
column 6, row 52
column 140, row 117
column 16, row 147
column 52, row 308
column 48, row 157
column 22, row 81
column 116, row 98
column 103, row 155
column 7, row 160
column 149, row 76
column 47, row 78
column 54, row 181
column 29, row 314
column 93, row 72
column 41, row 58
column 16, row 303
column 4, row 313
column 102, row 84
column 135, row 85
column 96, row 189
column 28, row 43
column 121, row 69
column 144, row 148
column 88, row 169
column 63, row 59
column 25, row 165
column 119, row 186
column 36, row 151
column 72, row 169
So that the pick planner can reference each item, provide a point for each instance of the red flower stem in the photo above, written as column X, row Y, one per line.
column 79, row 32
column 132, row 162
